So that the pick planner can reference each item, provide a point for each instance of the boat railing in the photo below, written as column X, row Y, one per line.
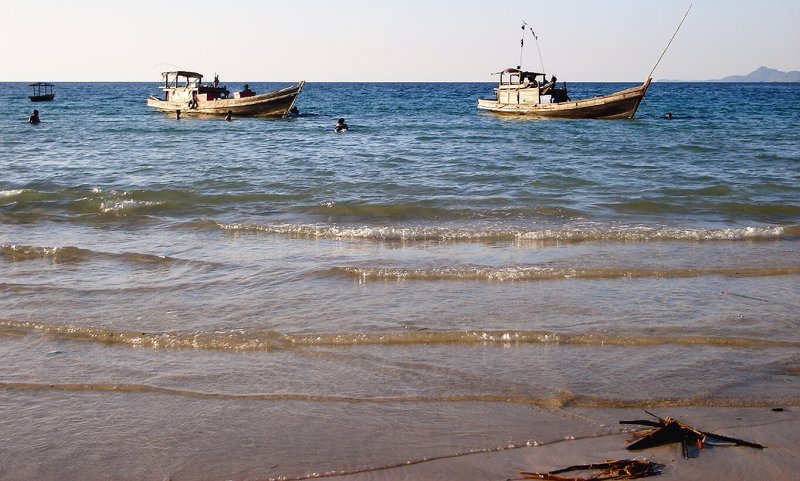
column 41, row 88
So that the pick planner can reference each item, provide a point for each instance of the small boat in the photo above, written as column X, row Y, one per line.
column 41, row 92
column 530, row 94
column 186, row 92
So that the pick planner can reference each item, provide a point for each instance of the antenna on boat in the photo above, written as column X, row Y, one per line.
column 670, row 41
column 536, row 39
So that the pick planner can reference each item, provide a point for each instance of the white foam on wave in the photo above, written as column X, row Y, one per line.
column 11, row 193
column 359, row 232
column 542, row 273
column 124, row 204
column 595, row 232
column 651, row 233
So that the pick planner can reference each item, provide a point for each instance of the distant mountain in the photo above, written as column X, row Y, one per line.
column 764, row 74
column 761, row 74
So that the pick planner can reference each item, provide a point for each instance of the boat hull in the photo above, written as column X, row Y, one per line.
column 271, row 104
column 42, row 98
column 618, row 105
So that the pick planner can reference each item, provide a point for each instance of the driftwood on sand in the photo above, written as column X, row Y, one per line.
column 622, row 469
column 668, row 430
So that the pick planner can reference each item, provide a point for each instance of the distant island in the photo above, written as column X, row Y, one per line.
column 761, row 74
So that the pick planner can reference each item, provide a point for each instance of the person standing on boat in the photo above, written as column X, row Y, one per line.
column 340, row 126
column 34, row 118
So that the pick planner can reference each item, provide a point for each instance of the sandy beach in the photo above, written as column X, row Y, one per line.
column 779, row 431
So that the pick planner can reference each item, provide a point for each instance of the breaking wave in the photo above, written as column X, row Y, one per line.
column 567, row 234
column 95, row 204
column 11, row 193
column 266, row 340
column 538, row 273
column 69, row 254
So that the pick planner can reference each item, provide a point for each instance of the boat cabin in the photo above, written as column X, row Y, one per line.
column 41, row 92
column 184, row 86
column 532, row 88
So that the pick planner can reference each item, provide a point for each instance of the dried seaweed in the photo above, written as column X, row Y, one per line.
column 668, row 430
column 622, row 469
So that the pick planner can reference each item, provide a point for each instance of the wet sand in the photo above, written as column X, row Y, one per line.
column 90, row 435
column 779, row 431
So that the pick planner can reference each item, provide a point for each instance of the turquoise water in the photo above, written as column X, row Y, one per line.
column 327, row 302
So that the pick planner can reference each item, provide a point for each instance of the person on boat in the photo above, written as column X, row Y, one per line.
column 546, row 88
column 229, row 116
column 528, row 79
column 178, row 114
column 246, row 92
column 216, row 80
column 340, row 126
column 34, row 118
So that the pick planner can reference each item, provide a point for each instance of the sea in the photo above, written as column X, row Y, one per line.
column 269, row 299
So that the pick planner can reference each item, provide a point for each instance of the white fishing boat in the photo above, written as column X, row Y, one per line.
column 530, row 93
column 524, row 93
column 185, row 92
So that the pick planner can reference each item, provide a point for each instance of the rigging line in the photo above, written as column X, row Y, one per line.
column 649, row 106
column 670, row 41
column 536, row 39
column 537, row 49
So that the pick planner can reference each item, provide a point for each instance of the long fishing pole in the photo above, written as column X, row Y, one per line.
column 670, row 41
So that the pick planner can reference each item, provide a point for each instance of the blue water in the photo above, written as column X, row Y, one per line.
column 342, row 301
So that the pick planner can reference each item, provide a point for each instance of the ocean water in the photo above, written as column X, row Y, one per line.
column 257, row 299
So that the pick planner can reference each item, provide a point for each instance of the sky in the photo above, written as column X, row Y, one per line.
column 393, row 40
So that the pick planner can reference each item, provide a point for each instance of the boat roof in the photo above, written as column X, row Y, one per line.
column 183, row 73
column 516, row 70
column 41, row 84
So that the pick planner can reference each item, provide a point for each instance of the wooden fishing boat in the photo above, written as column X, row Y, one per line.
column 41, row 92
column 186, row 92
column 525, row 93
